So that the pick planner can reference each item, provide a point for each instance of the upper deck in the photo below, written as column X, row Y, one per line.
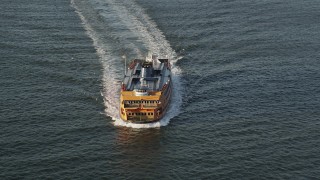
column 147, row 76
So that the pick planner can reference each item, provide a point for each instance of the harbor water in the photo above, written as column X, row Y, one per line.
column 246, row 88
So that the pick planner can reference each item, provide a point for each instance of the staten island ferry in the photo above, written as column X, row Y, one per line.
column 146, row 90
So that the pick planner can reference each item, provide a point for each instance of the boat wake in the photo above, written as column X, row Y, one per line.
column 123, row 29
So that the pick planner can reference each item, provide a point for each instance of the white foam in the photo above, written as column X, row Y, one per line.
column 137, row 21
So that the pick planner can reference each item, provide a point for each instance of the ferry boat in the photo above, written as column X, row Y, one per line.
column 146, row 90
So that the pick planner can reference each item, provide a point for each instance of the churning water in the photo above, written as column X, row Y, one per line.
column 246, row 89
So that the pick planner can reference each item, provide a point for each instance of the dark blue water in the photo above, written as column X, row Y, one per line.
column 246, row 102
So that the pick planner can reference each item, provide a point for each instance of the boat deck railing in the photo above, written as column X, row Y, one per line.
column 140, row 105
